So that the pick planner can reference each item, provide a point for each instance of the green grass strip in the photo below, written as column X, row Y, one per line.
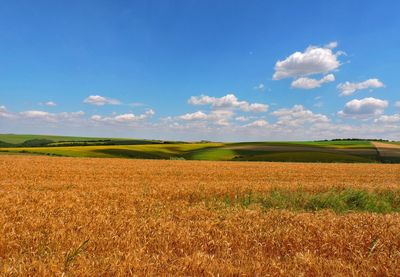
column 339, row 201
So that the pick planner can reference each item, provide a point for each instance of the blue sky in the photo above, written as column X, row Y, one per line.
column 218, row 70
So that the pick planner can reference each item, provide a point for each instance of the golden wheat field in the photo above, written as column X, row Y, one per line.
column 117, row 217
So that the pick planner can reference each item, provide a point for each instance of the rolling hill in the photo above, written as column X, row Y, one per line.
column 350, row 151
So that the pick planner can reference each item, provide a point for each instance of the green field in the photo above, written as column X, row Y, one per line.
column 349, row 151
column 16, row 139
column 322, row 144
column 340, row 201
column 12, row 140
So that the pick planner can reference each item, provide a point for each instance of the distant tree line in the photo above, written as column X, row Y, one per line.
column 354, row 139
column 50, row 143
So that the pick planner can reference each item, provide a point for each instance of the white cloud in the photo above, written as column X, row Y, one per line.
column 4, row 112
column 199, row 115
column 309, row 83
column 242, row 118
column 71, row 114
column 364, row 107
column 35, row 114
column 295, row 123
column 52, row 117
column 228, row 101
column 395, row 118
column 123, row 118
column 332, row 45
column 314, row 60
column 397, row 104
column 96, row 117
column 217, row 117
column 298, row 116
column 150, row 112
column 348, row 88
column 258, row 123
column 127, row 117
column 255, row 107
column 49, row 104
column 271, row 131
column 221, row 117
column 100, row 100
column 260, row 87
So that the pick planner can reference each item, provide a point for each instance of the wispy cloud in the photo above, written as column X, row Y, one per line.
column 260, row 87
column 310, row 83
column 348, row 88
column 51, row 117
column 123, row 118
column 48, row 104
column 98, row 100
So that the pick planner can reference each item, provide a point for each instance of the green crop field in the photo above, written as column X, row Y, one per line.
column 322, row 144
column 16, row 139
column 12, row 140
column 349, row 151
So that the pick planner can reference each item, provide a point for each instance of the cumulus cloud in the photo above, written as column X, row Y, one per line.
column 297, row 123
column 123, row 118
column 298, row 115
column 309, row 83
column 228, row 101
column 348, row 88
column 364, row 107
column 258, row 123
column 395, row 118
column 397, row 104
column 199, row 115
column 100, row 100
column 218, row 117
column 128, row 117
column 221, row 117
column 314, row 60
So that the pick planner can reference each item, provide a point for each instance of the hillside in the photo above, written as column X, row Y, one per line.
column 353, row 151
column 14, row 140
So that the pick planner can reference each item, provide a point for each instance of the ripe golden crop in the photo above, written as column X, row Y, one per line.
column 92, row 217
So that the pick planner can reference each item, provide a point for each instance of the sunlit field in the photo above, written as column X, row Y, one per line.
column 93, row 217
column 199, row 138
